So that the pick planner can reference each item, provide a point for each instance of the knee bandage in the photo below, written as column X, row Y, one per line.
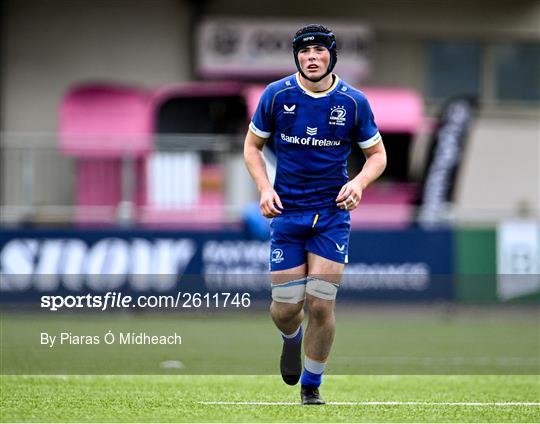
column 321, row 289
column 289, row 292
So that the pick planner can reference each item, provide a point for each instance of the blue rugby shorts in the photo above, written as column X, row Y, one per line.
column 325, row 234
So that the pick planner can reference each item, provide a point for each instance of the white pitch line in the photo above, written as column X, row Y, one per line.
column 385, row 403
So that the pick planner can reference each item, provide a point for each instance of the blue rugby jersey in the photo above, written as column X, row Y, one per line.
column 311, row 135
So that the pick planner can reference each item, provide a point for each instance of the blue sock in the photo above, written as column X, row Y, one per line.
column 310, row 379
column 293, row 338
column 312, row 374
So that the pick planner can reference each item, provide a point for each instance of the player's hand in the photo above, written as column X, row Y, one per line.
column 349, row 196
column 270, row 203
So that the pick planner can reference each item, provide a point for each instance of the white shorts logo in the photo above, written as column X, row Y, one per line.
column 277, row 256
column 340, row 249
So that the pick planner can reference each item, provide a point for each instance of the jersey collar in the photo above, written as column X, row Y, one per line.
column 319, row 93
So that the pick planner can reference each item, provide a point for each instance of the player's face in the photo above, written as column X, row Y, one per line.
column 314, row 60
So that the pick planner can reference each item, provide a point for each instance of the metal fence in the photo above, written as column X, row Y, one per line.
column 187, row 180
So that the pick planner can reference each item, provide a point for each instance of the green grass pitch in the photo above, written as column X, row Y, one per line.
column 388, row 365
column 185, row 399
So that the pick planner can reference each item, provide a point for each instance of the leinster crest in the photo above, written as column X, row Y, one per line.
column 337, row 115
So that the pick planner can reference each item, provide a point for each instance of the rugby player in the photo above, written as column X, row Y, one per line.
column 310, row 120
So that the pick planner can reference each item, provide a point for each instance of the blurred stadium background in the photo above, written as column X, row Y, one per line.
column 122, row 125
column 121, row 169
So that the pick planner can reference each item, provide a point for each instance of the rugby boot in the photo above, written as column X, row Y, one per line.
column 290, row 363
column 310, row 396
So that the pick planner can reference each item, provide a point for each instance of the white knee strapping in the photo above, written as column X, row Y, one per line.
column 321, row 289
column 289, row 292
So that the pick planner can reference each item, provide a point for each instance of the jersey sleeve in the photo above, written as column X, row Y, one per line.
column 368, row 133
column 261, row 123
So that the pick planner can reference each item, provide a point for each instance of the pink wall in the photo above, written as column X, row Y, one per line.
column 101, row 123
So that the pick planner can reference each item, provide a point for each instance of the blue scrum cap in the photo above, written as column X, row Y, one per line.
column 315, row 35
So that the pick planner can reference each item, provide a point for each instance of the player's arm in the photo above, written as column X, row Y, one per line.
column 351, row 193
column 374, row 166
column 256, row 166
